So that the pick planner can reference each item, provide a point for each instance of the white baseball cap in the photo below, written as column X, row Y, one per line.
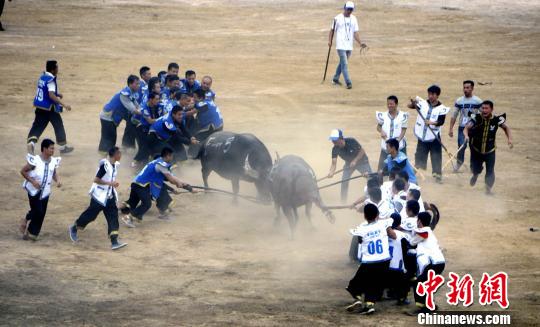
column 336, row 134
column 349, row 5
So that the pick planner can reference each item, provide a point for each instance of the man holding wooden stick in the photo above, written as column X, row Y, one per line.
column 345, row 27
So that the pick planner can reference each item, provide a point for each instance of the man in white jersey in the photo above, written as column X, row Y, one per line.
column 345, row 27
column 464, row 107
column 397, row 281
column 103, row 198
column 428, row 257
column 427, row 129
column 39, row 172
column 375, row 257
column 391, row 124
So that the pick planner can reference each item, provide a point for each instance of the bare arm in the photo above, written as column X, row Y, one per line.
column 508, row 133
column 359, row 156
column 380, row 130
column 57, row 99
column 56, row 178
column 357, row 38
column 332, row 168
column 25, row 172
column 330, row 37
column 402, row 134
column 451, row 129
column 391, row 233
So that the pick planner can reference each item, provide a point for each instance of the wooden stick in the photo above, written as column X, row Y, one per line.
column 453, row 156
column 325, row 177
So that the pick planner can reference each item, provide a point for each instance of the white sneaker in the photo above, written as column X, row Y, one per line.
column 128, row 221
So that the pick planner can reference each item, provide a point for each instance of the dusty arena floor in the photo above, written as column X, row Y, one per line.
column 216, row 264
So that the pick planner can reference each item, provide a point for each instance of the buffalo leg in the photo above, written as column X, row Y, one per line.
column 236, row 188
column 277, row 219
column 289, row 213
column 309, row 205
column 205, row 173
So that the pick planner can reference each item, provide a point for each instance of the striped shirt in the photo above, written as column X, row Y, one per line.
column 464, row 107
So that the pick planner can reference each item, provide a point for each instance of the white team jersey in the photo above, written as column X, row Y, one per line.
column 386, row 190
column 385, row 208
column 428, row 250
column 43, row 172
column 374, row 246
column 102, row 193
column 399, row 200
column 344, row 30
column 430, row 113
column 392, row 126
column 396, row 251
column 409, row 224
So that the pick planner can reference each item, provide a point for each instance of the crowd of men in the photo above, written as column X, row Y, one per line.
column 164, row 114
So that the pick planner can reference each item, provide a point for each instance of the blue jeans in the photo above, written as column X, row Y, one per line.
column 460, row 140
column 342, row 67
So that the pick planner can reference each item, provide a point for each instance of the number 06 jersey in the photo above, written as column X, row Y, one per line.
column 374, row 246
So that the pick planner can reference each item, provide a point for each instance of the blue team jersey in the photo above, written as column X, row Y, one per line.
column 149, row 175
column 210, row 95
column 208, row 114
column 164, row 127
column 402, row 162
column 147, row 112
column 186, row 88
column 42, row 100
column 115, row 108
column 143, row 92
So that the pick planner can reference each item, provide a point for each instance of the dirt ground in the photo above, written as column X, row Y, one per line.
column 216, row 264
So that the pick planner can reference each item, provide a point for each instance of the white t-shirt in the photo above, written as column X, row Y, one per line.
column 344, row 30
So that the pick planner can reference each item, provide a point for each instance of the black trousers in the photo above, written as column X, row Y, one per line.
column 109, row 210
column 108, row 135
column 143, row 151
column 477, row 163
column 398, row 283
column 36, row 215
column 438, row 269
column 369, row 280
column 155, row 144
column 128, row 139
column 140, row 200
column 41, row 120
column 434, row 149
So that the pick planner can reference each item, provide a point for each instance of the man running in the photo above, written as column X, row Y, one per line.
column 482, row 130
column 49, row 104
column 39, row 172
column 103, row 198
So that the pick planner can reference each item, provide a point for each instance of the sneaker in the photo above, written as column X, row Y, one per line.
column 67, row 149
column 473, row 180
column 488, row 191
column 73, row 233
column 349, row 86
column 456, row 168
column 128, row 221
column 438, row 180
column 336, row 82
column 367, row 309
column 164, row 216
column 117, row 245
column 355, row 307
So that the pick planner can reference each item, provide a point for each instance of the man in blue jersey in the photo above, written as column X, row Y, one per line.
column 116, row 110
column 49, row 104
column 150, row 112
column 206, row 85
column 146, row 74
column 168, row 127
column 397, row 159
column 172, row 69
column 149, row 185
column 209, row 118
column 171, row 82
column 190, row 83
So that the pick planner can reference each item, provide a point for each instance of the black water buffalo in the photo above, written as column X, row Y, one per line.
column 237, row 157
column 293, row 184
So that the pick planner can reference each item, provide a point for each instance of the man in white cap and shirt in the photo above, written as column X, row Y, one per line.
column 354, row 156
column 345, row 27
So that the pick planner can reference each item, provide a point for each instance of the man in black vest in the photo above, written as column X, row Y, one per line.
column 481, row 131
